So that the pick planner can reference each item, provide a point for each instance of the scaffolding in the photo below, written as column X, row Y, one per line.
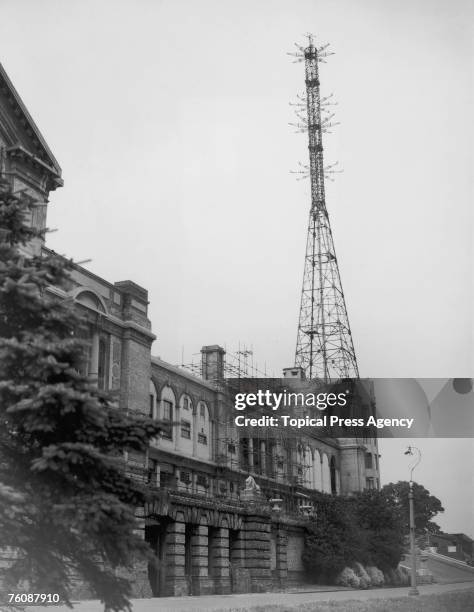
column 238, row 364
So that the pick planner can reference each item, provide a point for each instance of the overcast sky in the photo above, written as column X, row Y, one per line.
column 170, row 121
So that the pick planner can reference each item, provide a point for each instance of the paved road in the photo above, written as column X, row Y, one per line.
column 447, row 571
column 244, row 602
column 444, row 573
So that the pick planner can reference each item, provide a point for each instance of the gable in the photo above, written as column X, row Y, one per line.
column 18, row 131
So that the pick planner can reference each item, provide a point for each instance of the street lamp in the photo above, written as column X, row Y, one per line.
column 416, row 453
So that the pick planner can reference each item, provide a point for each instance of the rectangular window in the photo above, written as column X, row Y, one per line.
column 167, row 480
column 185, row 477
column 368, row 461
column 202, row 438
column 152, row 472
column 231, row 448
column 185, row 429
column 167, row 410
column 167, row 418
column 201, row 480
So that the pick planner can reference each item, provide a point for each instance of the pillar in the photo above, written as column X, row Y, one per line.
column 258, row 552
column 263, row 466
column 220, row 560
column 94, row 364
column 250, row 454
column 202, row 584
column 195, row 432
column 177, row 427
column 175, row 580
column 281, row 557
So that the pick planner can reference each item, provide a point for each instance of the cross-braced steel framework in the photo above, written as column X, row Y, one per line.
column 324, row 346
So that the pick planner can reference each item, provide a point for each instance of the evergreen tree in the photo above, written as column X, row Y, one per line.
column 66, row 503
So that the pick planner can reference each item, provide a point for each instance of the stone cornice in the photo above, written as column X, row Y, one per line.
column 19, row 152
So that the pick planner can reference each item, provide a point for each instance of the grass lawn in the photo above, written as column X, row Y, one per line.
column 458, row 601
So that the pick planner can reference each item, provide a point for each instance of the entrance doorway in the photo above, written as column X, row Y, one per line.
column 155, row 536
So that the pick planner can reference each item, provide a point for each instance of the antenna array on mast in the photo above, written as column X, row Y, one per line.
column 324, row 347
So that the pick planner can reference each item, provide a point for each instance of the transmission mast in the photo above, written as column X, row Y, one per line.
column 324, row 347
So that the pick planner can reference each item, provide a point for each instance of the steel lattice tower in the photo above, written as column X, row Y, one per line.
column 324, row 347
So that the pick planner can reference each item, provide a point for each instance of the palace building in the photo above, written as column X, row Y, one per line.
column 230, row 505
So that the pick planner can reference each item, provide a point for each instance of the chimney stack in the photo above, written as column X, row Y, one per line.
column 212, row 362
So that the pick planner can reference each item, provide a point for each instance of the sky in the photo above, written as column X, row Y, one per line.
column 170, row 120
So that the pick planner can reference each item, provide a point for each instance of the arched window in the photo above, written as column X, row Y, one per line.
column 186, row 405
column 203, row 430
column 91, row 300
column 167, row 411
column 186, row 416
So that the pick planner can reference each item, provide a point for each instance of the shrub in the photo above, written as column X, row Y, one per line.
column 399, row 576
column 364, row 578
column 376, row 576
column 348, row 578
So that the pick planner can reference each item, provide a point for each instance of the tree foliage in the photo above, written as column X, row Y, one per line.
column 382, row 525
column 333, row 540
column 426, row 506
column 364, row 528
column 66, row 503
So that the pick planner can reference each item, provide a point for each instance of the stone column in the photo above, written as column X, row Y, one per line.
column 175, row 579
column 258, row 552
column 177, row 427
column 220, row 560
column 94, row 364
column 194, row 431
column 199, row 560
column 250, row 453
column 281, row 558
column 263, row 467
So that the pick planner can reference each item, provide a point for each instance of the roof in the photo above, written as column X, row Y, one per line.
column 5, row 83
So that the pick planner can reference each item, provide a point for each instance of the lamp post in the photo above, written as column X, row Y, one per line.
column 416, row 453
